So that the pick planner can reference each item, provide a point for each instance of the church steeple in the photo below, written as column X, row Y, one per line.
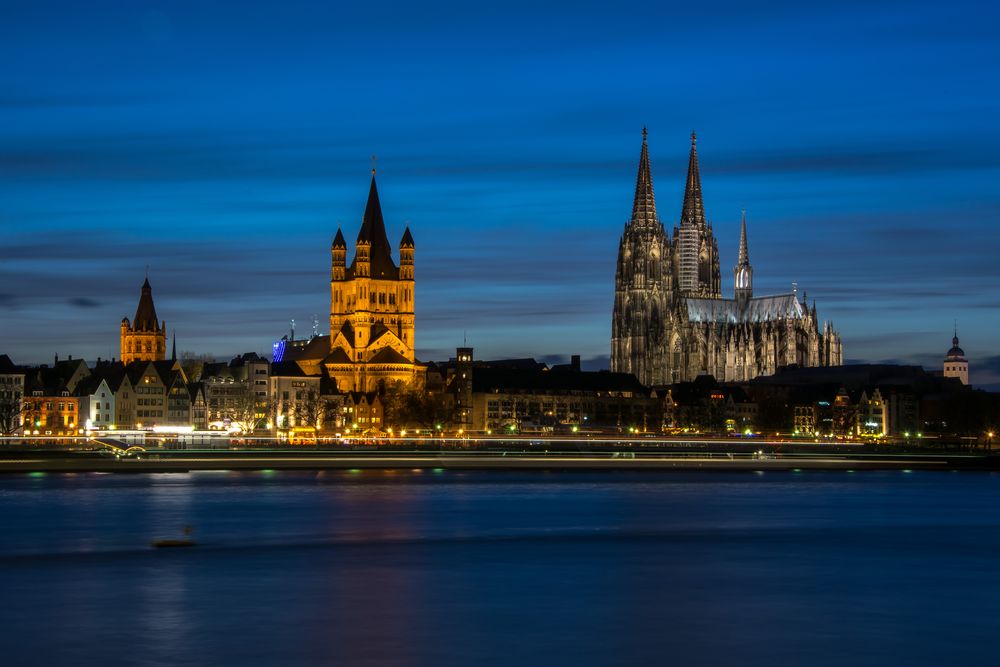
column 372, row 234
column 693, row 210
column 644, row 204
column 743, row 272
column 145, row 337
column 145, row 312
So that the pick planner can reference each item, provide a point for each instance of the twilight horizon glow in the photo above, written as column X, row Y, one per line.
column 223, row 145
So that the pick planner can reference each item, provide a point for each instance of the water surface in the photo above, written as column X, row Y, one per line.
column 500, row 568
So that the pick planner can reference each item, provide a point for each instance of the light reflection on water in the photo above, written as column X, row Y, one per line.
column 495, row 568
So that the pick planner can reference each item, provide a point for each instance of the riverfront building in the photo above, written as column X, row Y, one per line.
column 144, row 338
column 372, row 322
column 955, row 363
column 670, row 321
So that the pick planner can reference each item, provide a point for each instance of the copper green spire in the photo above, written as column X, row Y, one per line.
column 644, row 205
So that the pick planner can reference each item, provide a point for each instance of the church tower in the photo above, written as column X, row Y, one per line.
column 697, row 251
column 372, row 307
column 955, row 363
column 643, row 282
column 743, row 272
column 143, row 339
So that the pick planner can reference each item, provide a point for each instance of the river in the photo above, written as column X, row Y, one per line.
column 501, row 568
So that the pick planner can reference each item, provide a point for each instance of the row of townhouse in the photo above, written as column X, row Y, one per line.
column 247, row 394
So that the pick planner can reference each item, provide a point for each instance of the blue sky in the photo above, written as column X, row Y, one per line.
column 222, row 143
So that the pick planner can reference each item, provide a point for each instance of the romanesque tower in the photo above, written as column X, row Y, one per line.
column 643, row 283
column 143, row 339
column 372, row 307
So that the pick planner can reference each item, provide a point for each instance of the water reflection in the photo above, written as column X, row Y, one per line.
column 502, row 568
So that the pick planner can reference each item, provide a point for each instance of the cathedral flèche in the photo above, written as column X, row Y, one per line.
column 670, row 321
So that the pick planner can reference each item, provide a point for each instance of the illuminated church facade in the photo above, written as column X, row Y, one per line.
column 670, row 322
column 372, row 308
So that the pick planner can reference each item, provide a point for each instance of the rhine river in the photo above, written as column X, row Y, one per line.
column 501, row 568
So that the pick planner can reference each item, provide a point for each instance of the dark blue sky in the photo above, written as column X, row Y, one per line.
column 221, row 144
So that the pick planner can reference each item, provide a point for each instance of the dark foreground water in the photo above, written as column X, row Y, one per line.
column 495, row 568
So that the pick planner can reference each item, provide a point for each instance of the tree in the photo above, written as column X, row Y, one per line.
column 405, row 407
column 10, row 413
column 245, row 411
column 315, row 411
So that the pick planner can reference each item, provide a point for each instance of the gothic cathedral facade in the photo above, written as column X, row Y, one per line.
column 372, row 308
column 670, row 321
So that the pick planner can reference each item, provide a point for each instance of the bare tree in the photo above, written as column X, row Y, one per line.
column 315, row 410
column 10, row 415
column 245, row 411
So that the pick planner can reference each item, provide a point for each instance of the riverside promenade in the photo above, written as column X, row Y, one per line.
column 95, row 456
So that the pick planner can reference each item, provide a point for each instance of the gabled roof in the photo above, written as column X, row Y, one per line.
column 356, row 397
column 170, row 373
column 731, row 311
column 378, row 330
column 6, row 365
column 373, row 232
column 89, row 385
column 196, row 390
column 387, row 355
column 338, row 356
column 348, row 330
column 316, row 348
column 287, row 369
column 113, row 372
column 135, row 370
column 50, row 381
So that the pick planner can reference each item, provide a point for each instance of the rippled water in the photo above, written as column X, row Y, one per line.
column 499, row 568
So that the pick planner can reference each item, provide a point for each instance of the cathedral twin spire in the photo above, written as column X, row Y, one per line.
column 644, row 205
column 697, row 269
column 693, row 209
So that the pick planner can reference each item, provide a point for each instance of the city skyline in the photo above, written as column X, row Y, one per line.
column 227, row 171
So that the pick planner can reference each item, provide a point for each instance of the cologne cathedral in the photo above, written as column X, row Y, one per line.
column 670, row 321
